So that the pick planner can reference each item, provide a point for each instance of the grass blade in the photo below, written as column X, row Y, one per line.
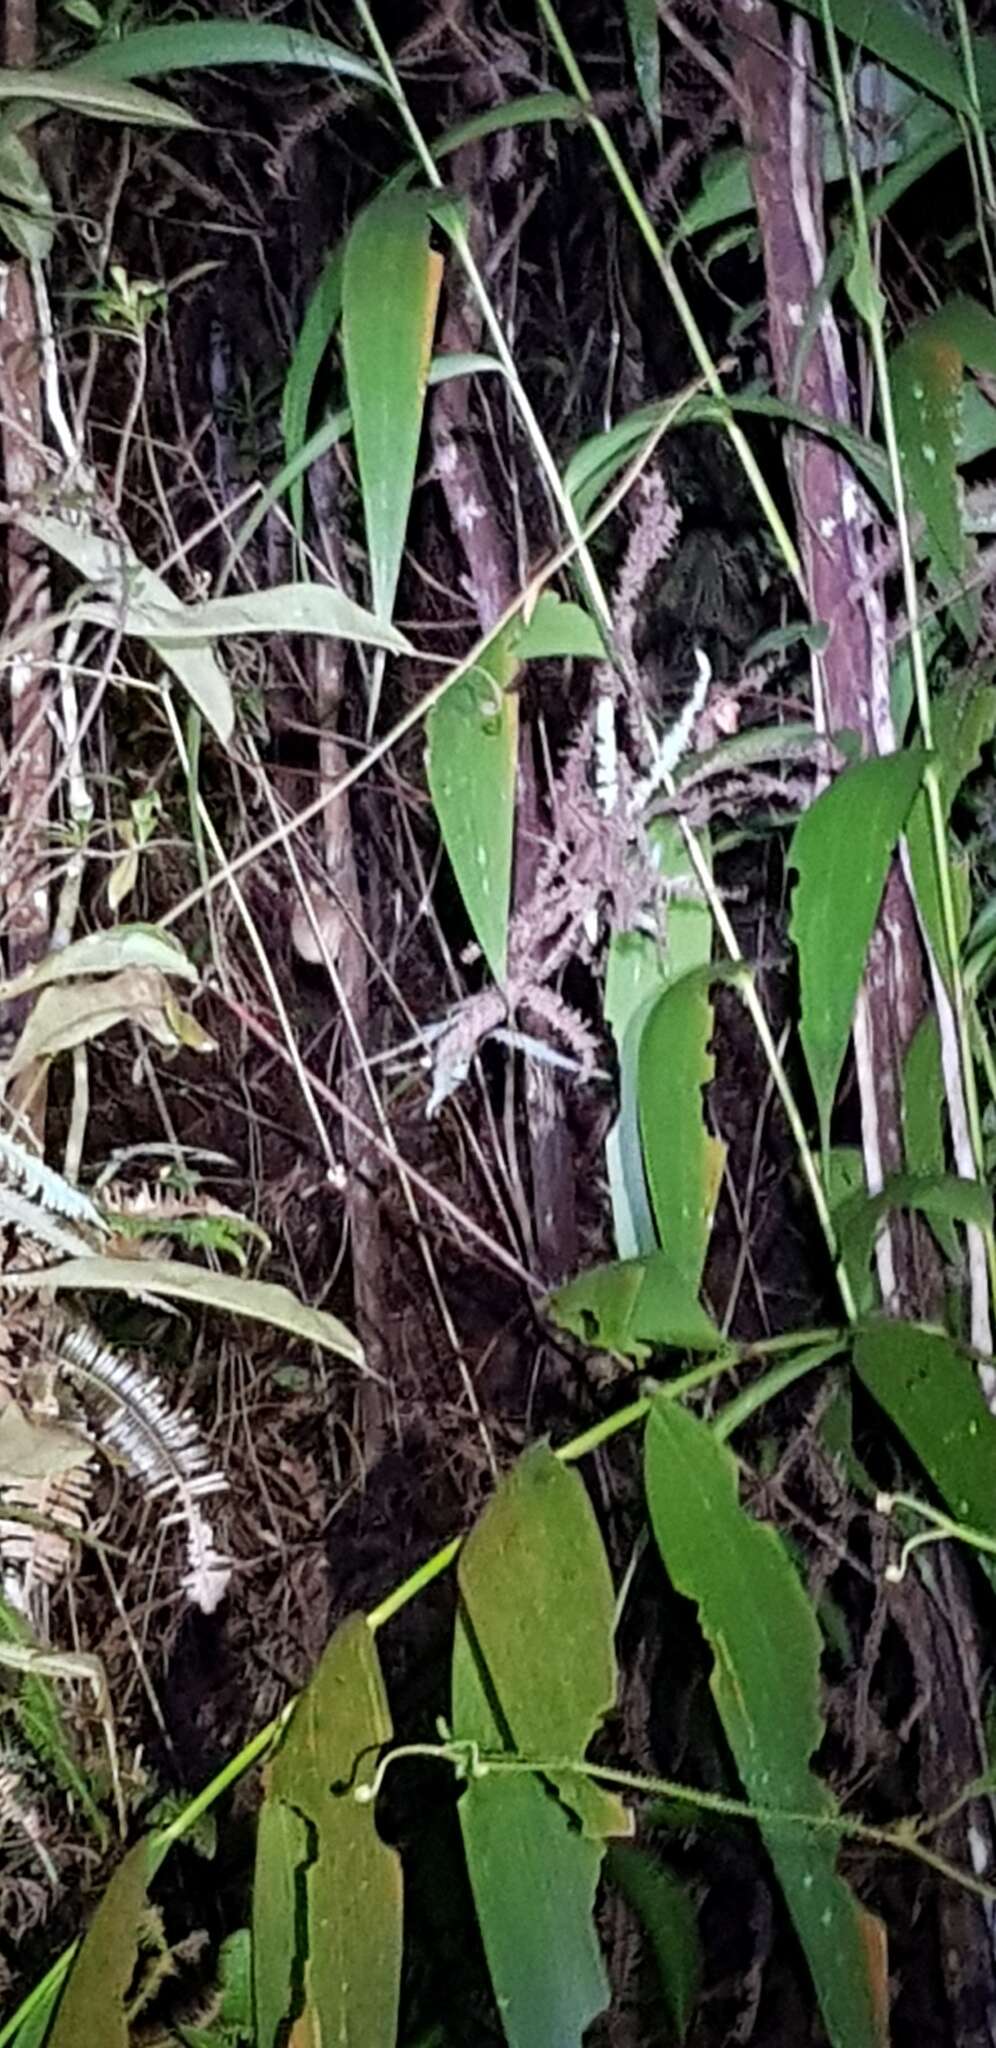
column 202, row 45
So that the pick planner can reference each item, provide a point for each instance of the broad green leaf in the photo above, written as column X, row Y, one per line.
column 320, row 321
column 262, row 1301
column 926, row 373
column 111, row 565
column 634, row 1307
column 888, row 30
column 325, row 1845
column 92, row 2007
column 535, row 1584
column 924, row 1101
column 765, row 1639
column 29, row 234
column 841, row 849
column 963, row 723
column 684, row 1162
column 941, row 1195
column 200, row 45
column 558, row 630
column 645, row 43
column 472, row 736
column 534, row 1878
column 390, row 288
column 37, row 2010
column 667, row 1914
column 99, row 97
column 72, row 1013
column 932, row 1395
column 726, row 192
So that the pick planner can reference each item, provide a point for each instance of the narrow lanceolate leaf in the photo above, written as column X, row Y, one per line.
column 263, row 1301
column 196, row 45
column 926, row 374
column 645, row 42
column 924, row 1114
column 841, row 849
column 932, row 1395
column 634, row 1307
column 534, row 1879
column 472, row 755
column 283, row 608
column 99, row 97
column 92, row 2007
column 337, row 1977
column 684, row 1162
column 537, row 1592
column 941, row 1195
column 125, row 945
column 964, row 720
column 319, row 323
column 765, row 1640
column 390, row 289
column 666, row 1912
column 112, row 567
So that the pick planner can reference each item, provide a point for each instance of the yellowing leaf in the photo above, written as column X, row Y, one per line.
column 67, row 1014
column 92, row 2007
column 765, row 1641
column 319, row 1840
column 36, row 1450
column 126, row 945
column 390, row 288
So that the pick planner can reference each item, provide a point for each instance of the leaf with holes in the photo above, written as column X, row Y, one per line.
column 390, row 288
column 840, row 850
column 765, row 1640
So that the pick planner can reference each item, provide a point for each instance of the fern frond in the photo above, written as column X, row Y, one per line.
column 46, row 1188
column 43, row 1728
column 32, row 1221
column 164, row 1449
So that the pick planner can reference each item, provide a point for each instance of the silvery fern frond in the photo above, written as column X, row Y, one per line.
column 46, row 1189
column 165, row 1450
column 31, row 1220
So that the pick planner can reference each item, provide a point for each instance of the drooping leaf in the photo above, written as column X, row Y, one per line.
column 345, row 1975
column 283, row 608
column 941, row 1195
column 107, row 952
column 841, row 849
column 65, row 1014
column 99, row 97
column 632, row 1307
column 765, row 1641
column 92, row 2007
column 535, row 1584
column 207, row 45
column 666, row 1912
column 263, row 1301
column 931, row 1392
column 524, row 112
column 684, row 1162
column 390, row 288
column 534, row 1878
column 112, row 566
column 645, row 43
column 472, row 738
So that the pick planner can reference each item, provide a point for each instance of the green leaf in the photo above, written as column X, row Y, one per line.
column 558, row 631
column 941, row 1195
column 207, row 45
column 932, row 1395
column 924, row 1100
column 472, row 736
column 726, row 192
column 39, row 1717
column 926, row 374
column 632, row 1307
column 524, row 112
column 645, row 42
column 666, row 1912
column 534, row 1878
column 765, row 1641
column 536, row 1588
column 320, row 321
column 684, row 1163
column 112, row 566
column 390, row 289
column 320, row 1841
column 890, row 31
column 263, row 1301
column 841, row 849
column 99, row 97
column 964, row 721
column 92, row 2007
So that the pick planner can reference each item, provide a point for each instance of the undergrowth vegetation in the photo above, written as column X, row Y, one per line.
column 497, row 1385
